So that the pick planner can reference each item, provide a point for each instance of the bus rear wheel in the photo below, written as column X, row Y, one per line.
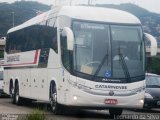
column 55, row 107
column 18, row 100
column 114, row 112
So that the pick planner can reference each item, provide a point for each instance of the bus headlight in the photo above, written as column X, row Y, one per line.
column 141, row 101
column 75, row 98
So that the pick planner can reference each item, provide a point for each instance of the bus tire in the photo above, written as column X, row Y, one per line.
column 55, row 107
column 18, row 99
column 114, row 112
column 11, row 92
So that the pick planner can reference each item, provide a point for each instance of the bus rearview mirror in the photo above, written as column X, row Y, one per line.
column 153, row 43
column 67, row 32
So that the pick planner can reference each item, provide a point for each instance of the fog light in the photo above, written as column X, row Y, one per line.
column 75, row 98
column 142, row 101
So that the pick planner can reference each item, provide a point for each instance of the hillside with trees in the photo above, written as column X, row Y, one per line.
column 151, row 24
column 22, row 11
column 25, row 10
column 150, row 20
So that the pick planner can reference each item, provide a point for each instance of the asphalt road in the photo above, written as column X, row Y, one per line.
column 9, row 110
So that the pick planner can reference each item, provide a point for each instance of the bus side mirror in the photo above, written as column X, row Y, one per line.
column 153, row 44
column 67, row 32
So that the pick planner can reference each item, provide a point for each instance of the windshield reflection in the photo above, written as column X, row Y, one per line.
column 127, row 43
column 91, row 45
column 98, row 47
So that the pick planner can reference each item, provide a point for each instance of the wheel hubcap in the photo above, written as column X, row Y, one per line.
column 17, row 97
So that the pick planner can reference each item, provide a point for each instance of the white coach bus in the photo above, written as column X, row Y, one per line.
column 77, row 56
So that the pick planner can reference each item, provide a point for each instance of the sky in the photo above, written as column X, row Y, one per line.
column 151, row 5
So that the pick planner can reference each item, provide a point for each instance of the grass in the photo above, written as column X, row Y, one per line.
column 35, row 115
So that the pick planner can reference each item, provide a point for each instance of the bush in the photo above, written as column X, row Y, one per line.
column 153, row 65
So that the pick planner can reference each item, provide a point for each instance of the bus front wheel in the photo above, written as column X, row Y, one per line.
column 55, row 107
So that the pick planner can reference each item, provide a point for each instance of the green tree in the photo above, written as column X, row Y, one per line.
column 155, row 66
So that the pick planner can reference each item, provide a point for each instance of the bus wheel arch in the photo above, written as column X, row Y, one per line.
column 16, row 82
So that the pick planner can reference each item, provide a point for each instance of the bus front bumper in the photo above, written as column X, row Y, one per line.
column 79, row 98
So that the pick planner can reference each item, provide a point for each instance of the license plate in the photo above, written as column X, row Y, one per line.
column 158, row 102
column 111, row 101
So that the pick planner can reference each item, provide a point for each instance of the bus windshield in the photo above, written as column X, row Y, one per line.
column 108, row 51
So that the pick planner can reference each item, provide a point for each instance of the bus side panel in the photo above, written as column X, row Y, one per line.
column 6, row 81
column 39, row 84
column 42, row 76
column 25, row 83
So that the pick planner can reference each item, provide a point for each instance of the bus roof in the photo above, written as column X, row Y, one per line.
column 39, row 18
column 98, row 14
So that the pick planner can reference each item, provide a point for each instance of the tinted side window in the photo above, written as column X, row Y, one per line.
column 31, row 38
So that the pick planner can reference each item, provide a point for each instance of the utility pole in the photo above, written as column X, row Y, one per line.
column 70, row 2
column 90, row 2
column 13, row 19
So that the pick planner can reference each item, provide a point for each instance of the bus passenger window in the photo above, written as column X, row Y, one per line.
column 55, row 47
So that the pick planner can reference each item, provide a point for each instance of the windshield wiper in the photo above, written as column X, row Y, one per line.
column 100, row 65
column 125, row 68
